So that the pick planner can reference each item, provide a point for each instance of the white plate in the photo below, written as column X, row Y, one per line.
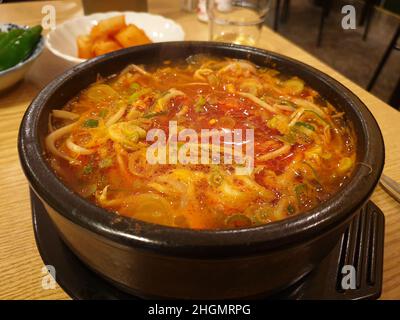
column 62, row 41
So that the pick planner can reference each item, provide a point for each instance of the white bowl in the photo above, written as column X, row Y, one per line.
column 62, row 41
column 11, row 76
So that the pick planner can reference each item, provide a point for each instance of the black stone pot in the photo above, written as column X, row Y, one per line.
column 157, row 261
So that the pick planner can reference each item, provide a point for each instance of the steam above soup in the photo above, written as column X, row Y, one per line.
column 206, row 143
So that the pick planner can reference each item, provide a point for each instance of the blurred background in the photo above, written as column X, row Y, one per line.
column 315, row 25
column 368, row 55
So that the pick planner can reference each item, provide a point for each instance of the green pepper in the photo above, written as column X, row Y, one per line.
column 290, row 209
column 318, row 116
column 154, row 114
column 287, row 103
column 103, row 113
column 295, row 136
column 138, row 94
column 135, row 86
column 201, row 101
column 299, row 190
column 91, row 123
column 6, row 37
column 305, row 125
column 19, row 48
column 2, row 34
column 88, row 169
column 316, row 176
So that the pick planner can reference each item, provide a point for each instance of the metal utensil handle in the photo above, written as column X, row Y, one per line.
column 392, row 187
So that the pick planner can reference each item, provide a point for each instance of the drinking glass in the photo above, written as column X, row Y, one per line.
column 237, row 21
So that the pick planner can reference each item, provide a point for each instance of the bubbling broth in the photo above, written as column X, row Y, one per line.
column 302, row 148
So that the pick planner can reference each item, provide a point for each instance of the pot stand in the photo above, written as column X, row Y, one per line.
column 361, row 246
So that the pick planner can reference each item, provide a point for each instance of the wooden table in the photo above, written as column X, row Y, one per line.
column 20, row 264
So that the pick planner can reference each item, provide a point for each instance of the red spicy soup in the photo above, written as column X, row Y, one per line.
column 302, row 149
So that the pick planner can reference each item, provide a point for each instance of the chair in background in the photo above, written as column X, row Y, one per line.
column 277, row 14
column 282, row 10
column 367, row 15
column 93, row 6
column 393, row 45
column 326, row 9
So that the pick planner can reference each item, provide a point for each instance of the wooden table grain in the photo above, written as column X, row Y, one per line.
column 20, row 263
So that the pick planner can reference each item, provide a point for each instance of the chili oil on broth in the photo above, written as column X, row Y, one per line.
column 303, row 147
